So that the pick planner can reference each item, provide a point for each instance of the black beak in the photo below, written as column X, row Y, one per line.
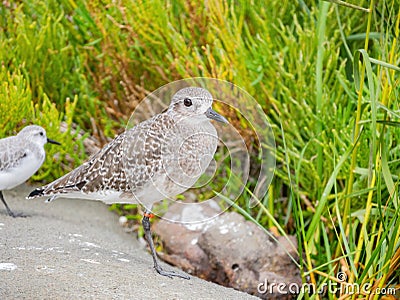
column 53, row 142
column 212, row 114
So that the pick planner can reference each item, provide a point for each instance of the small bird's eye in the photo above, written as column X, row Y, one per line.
column 41, row 133
column 187, row 102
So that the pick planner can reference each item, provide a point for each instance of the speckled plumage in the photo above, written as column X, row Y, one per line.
column 158, row 158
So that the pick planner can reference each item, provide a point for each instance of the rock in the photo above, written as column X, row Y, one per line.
column 228, row 250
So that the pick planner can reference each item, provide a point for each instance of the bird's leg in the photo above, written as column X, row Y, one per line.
column 149, row 238
column 10, row 213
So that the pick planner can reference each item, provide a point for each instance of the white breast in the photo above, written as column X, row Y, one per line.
column 10, row 178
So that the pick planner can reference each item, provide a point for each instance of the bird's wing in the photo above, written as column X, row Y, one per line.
column 11, row 153
column 91, row 175
column 124, row 164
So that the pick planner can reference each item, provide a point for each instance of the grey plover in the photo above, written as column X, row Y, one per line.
column 20, row 157
column 156, row 159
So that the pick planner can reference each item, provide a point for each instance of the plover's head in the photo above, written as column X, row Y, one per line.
column 36, row 134
column 194, row 103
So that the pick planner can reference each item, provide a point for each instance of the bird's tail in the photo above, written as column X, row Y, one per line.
column 36, row 193
column 53, row 189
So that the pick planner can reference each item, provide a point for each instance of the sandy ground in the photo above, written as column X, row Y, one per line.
column 75, row 249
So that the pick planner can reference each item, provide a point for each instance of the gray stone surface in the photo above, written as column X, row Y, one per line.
column 75, row 249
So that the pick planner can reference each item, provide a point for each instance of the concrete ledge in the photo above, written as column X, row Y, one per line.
column 75, row 249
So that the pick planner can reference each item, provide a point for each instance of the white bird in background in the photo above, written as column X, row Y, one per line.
column 20, row 157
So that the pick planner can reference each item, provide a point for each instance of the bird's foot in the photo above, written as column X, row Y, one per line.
column 170, row 274
column 16, row 215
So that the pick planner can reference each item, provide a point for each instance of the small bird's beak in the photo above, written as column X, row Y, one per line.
column 53, row 142
column 212, row 114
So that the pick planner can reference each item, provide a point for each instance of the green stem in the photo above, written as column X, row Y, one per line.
column 357, row 126
column 323, row 11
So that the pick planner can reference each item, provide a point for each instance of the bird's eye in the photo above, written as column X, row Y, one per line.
column 187, row 102
column 41, row 133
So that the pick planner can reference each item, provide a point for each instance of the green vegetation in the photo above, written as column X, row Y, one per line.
column 19, row 109
column 325, row 73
